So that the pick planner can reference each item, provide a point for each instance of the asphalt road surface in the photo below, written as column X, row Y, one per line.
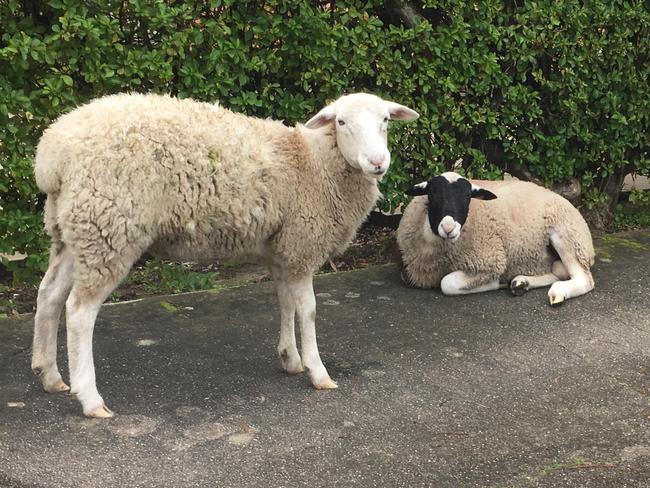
column 487, row 390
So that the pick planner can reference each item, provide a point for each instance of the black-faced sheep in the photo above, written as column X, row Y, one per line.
column 195, row 181
column 467, row 236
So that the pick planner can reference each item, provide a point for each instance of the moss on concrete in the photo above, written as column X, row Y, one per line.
column 610, row 245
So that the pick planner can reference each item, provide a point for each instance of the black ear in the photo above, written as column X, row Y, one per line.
column 419, row 189
column 482, row 194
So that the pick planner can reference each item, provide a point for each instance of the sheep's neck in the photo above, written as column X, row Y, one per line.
column 350, row 186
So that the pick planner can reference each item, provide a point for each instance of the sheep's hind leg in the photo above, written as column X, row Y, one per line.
column 81, row 311
column 580, row 281
column 303, row 295
column 82, row 307
column 461, row 283
column 287, row 349
column 52, row 293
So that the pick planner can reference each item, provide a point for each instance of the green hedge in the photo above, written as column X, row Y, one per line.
column 546, row 89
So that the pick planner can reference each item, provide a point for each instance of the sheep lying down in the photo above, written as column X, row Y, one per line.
column 468, row 236
column 194, row 181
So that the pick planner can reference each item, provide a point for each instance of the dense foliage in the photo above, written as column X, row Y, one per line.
column 544, row 89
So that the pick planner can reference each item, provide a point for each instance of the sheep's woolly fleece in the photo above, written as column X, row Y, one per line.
column 193, row 180
column 501, row 238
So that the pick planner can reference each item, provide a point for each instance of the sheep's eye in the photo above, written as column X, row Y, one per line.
column 386, row 119
column 341, row 122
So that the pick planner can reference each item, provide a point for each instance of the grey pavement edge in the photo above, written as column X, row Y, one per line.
column 487, row 390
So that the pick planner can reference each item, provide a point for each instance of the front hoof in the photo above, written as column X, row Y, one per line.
column 325, row 384
column 519, row 286
column 101, row 412
column 58, row 387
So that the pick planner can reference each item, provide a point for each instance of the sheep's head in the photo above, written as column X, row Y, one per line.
column 361, row 124
column 449, row 197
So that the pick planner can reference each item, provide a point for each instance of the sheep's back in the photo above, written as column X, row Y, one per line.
column 531, row 213
column 184, row 170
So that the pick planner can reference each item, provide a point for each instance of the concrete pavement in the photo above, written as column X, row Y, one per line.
column 487, row 390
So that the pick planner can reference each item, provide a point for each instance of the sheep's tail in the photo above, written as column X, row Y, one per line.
column 47, row 171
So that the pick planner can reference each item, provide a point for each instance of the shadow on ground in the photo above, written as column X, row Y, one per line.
column 480, row 391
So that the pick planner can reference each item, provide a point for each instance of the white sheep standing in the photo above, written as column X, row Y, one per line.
column 525, row 235
column 195, row 181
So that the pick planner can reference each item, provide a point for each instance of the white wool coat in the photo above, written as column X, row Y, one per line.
column 194, row 181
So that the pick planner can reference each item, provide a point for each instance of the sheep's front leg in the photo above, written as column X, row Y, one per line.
column 521, row 284
column 303, row 294
column 287, row 349
column 461, row 283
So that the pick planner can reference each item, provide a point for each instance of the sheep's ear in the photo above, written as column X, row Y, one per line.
column 322, row 118
column 482, row 194
column 400, row 112
column 419, row 189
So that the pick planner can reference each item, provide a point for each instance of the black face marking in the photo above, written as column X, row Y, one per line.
column 448, row 198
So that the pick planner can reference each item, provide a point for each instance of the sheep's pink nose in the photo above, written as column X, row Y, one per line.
column 378, row 160
column 448, row 226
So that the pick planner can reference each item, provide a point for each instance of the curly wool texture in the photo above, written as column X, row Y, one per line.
column 501, row 238
column 194, row 181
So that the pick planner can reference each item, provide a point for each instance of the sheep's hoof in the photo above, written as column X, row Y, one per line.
column 326, row 384
column 555, row 300
column 102, row 412
column 295, row 369
column 58, row 387
column 518, row 286
column 291, row 364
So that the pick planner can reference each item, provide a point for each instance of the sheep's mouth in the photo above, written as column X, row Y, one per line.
column 375, row 174
column 449, row 237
